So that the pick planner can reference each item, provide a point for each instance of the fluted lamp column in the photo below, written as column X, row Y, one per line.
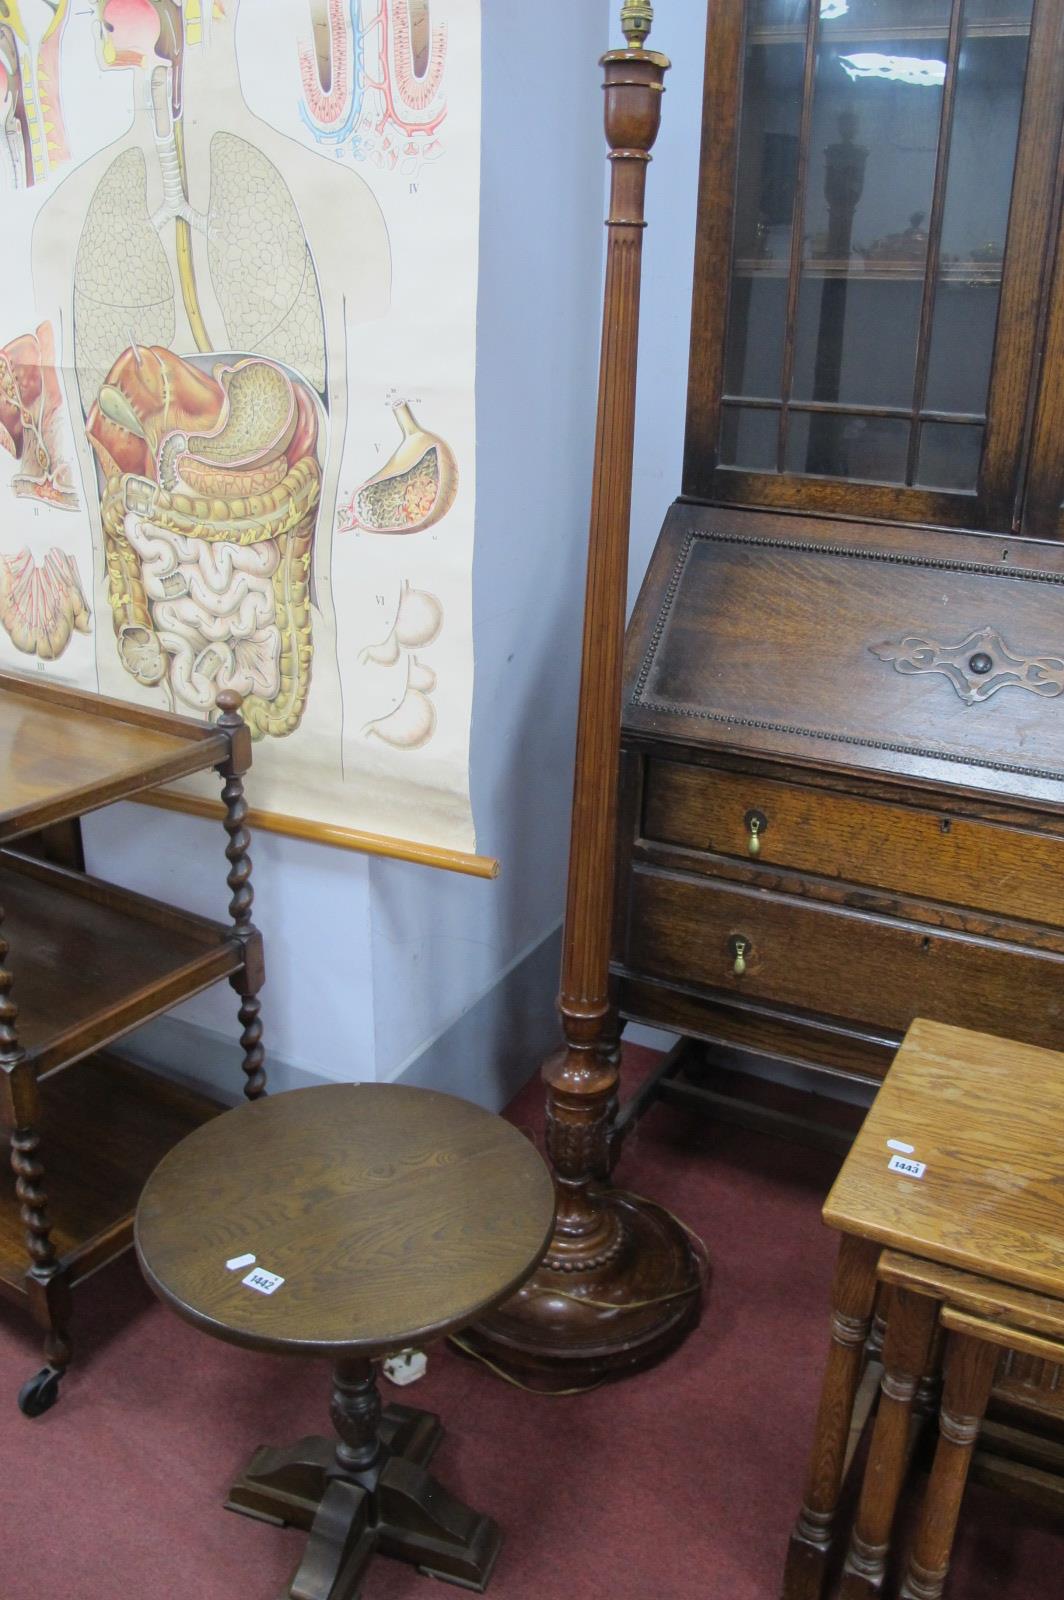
column 620, row 1284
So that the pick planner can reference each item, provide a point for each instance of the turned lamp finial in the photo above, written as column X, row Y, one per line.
column 637, row 16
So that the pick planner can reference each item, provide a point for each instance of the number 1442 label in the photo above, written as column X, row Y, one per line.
column 264, row 1282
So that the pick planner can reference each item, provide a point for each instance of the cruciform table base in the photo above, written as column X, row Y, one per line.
column 368, row 1493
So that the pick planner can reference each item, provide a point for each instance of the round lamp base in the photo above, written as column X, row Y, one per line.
column 577, row 1327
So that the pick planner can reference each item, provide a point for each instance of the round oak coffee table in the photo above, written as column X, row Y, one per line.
column 350, row 1221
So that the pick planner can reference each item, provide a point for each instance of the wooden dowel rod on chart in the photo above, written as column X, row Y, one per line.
column 370, row 844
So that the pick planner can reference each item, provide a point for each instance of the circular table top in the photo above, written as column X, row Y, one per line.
column 393, row 1215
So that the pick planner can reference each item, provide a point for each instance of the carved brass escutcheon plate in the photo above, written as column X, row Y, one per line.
column 977, row 667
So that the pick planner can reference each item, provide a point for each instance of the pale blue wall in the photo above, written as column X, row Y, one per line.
column 440, row 942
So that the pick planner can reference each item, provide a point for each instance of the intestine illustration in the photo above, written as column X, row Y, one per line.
column 210, row 485
column 418, row 622
column 412, row 491
column 31, row 411
column 42, row 605
column 34, row 140
column 373, row 80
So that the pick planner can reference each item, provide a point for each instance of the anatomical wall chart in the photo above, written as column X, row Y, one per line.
column 237, row 359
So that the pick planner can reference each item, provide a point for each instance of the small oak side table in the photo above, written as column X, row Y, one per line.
column 349, row 1221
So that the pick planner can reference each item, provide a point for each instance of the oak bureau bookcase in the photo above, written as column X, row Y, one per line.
column 842, row 769
column 843, row 717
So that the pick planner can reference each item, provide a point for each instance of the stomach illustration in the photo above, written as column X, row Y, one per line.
column 210, row 482
column 414, row 490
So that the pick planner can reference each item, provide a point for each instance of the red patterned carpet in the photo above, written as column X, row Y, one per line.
column 680, row 1484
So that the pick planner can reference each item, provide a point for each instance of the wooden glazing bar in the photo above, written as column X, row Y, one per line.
column 1045, row 484
column 859, row 498
column 834, row 408
column 794, row 274
column 934, row 232
column 1024, row 291
column 716, row 204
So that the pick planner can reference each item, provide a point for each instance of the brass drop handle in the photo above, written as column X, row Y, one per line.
column 756, row 823
column 740, row 948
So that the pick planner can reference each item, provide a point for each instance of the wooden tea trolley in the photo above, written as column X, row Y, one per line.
column 82, row 963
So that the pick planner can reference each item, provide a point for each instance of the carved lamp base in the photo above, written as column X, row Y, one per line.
column 578, row 1321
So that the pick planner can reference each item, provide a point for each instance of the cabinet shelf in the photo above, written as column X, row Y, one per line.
column 91, row 961
column 888, row 33
column 94, row 1184
column 975, row 274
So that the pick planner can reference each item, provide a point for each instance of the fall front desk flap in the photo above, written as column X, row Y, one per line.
column 917, row 653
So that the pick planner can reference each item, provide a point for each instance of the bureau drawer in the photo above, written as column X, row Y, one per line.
column 837, row 963
column 986, row 866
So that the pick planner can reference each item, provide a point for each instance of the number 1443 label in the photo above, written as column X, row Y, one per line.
column 903, row 1164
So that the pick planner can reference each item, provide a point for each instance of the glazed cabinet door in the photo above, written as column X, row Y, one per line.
column 876, row 185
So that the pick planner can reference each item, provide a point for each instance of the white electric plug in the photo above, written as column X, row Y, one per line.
column 406, row 1367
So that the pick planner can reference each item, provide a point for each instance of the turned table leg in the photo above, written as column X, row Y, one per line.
column 970, row 1367
column 853, row 1299
column 249, row 980
column 46, row 1285
column 906, row 1346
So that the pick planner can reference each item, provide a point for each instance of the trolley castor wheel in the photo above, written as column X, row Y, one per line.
column 40, row 1393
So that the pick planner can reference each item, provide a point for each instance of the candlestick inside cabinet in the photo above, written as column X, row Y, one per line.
column 620, row 1284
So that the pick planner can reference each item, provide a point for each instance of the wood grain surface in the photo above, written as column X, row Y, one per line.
column 757, row 636
column 94, row 1183
column 971, row 1292
column 986, row 1117
column 90, row 961
column 393, row 1214
column 64, row 752
column 836, row 962
column 906, row 847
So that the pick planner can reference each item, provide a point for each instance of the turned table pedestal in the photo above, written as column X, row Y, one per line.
column 348, row 1222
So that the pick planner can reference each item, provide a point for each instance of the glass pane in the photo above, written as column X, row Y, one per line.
column 773, row 15
column 884, row 19
column 838, row 445
column 876, row 125
column 962, row 343
column 871, row 174
column 855, row 340
column 757, row 317
column 949, row 456
column 764, row 206
column 986, row 120
column 857, row 19
column 997, row 16
column 749, row 437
